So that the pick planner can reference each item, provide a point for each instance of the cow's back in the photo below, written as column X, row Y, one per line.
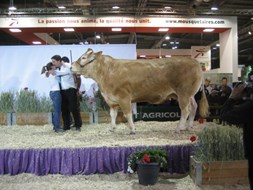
column 151, row 80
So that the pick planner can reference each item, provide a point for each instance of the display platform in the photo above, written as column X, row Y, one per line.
column 40, row 151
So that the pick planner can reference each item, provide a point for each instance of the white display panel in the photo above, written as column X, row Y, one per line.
column 20, row 66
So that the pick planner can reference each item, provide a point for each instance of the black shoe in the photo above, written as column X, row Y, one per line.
column 60, row 130
column 65, row 129
column 78, row 129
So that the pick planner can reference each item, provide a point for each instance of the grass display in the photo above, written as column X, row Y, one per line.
column 30, row 101
column 219, row 143
column 7, row 102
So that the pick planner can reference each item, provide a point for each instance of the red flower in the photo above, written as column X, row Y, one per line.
column 193, row 138
column 146, row 158
column 201, row 120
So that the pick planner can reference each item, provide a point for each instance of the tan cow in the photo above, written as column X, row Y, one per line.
column 147, row 80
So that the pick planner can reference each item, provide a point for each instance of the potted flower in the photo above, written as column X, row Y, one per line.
column 218, row 156
column 148, row 163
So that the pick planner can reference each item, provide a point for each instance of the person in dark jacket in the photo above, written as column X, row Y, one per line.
column 241, row 114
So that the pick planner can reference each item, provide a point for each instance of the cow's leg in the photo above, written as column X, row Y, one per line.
column 113, row 114
column 184, row 104
column 129, row 117
column 193, row 109
column 126, row 108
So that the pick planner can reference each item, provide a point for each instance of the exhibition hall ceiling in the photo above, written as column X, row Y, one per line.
column 242, row 9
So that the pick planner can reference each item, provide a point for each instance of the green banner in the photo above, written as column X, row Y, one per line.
column 157, row 113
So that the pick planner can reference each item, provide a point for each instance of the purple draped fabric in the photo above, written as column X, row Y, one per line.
column 71, row 161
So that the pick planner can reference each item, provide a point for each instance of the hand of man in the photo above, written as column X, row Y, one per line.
column 237, row 92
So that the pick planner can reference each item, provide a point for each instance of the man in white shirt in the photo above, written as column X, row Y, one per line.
column 69, row 91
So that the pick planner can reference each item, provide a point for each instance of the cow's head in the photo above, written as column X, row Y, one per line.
column 85, row 64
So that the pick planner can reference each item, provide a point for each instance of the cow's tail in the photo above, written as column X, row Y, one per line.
column 203, row 104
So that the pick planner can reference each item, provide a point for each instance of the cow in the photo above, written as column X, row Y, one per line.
column 123, row 82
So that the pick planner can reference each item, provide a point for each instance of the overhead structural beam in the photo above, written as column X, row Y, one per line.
column 244, row 33
column 131, row 38
column 47, row 38
column 195, row 3
column 141, row 5
column 246, row 29
column 159, row 43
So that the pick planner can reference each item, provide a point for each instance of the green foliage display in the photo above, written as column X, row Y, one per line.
column 219, row 143
column 100, row 102
column 45, row 104
column 7, row 102
column 29, row 101
column 85, row 106
column 244, row 73
column 156, row 155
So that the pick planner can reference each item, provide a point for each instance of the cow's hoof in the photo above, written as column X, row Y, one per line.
column 177, row 131
column 189, row 128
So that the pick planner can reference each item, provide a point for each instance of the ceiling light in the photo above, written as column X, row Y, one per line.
column 15, row 30
column 116, row 29
column 98, row 36
column 115, row 7
column 164, row 45
column 249, row 33
column 171, row 42
column 36, row 42
column 142, row 55
column 163, row 29
column 69, row 29
column 167, row 55
column 251, row 18
column 167, row 38
column 12, row 8
column 214, row 8
column 167, row 7
column 218, row 45
column 208, row 30
column 61, row 7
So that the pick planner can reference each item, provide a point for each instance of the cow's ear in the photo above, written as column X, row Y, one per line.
column 99, row 53
column 89, row 51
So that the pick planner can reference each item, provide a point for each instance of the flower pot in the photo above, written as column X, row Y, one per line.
column 148, row 173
